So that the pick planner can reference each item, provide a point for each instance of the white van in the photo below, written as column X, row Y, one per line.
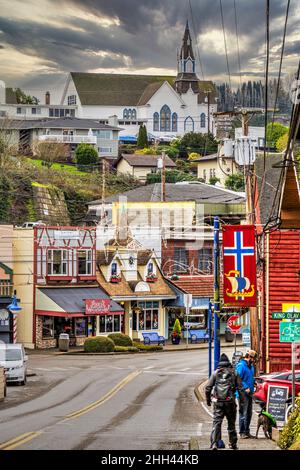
column 14, row 361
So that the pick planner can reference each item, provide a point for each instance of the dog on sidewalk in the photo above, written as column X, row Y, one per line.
column 267, row 422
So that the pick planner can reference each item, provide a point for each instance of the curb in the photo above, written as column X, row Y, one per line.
column 199, row 390
column 81, row 352
column 194, row 444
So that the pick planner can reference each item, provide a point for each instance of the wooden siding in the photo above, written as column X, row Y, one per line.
column 284, row 287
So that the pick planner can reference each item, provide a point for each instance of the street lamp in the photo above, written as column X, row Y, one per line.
column 14, row 308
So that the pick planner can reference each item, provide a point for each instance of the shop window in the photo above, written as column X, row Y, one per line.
column 80, row 327
column 110, row 323
column 48, row 327
column 84, row 262
column 57, row 262
column 147, row 318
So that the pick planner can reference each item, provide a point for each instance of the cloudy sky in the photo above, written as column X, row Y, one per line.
column 42, row 40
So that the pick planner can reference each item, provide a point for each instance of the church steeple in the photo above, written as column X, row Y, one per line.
column 186, row 77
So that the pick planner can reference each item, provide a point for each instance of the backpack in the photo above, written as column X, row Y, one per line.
column 224, row 389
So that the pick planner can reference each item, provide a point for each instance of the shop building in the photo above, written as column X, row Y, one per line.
column 131, row 276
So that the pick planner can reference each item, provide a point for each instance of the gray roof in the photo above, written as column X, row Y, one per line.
column 112, row 89
column 205, row 158
column 146, row 160
column 57, row 123
column 198, row 192
column 71, row 299
column 269, row 197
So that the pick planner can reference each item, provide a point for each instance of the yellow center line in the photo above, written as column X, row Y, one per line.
column 105, row 398
column 28, row 436
column 18, row 441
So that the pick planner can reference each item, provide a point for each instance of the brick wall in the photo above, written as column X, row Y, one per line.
column 41, row 343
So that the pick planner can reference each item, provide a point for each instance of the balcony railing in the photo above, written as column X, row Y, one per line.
column 6, row 290
column 69, row 139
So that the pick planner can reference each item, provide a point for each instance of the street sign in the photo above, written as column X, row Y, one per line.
column 289, row 332
column 286, row 315
column 246, row 338
column 231, row 323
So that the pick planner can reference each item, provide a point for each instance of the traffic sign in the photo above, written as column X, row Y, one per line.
column 286, row 315
column 289, row 332
column 231, row 323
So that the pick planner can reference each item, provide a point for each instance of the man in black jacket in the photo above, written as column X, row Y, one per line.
column 221, row 389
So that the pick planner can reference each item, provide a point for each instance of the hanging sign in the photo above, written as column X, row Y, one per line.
column 239, row 265
column 97, row 306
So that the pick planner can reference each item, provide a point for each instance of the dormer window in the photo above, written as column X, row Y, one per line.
column 114, row 269
column 150, row 269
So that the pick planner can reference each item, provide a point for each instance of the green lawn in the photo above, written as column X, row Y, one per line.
column 59, row 166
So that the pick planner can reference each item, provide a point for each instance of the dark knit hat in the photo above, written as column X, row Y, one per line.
column 224, row 358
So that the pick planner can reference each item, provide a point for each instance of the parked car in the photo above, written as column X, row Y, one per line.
column 32, row 224
column 277, row 378
column 14, row 361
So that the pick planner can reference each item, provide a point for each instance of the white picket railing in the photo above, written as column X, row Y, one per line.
column 69, row 139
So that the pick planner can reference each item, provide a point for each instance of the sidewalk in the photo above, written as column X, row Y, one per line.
column 261, row 443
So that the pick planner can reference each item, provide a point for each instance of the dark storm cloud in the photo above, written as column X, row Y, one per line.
column 149, row 35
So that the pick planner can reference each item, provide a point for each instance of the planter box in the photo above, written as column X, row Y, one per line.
column 151, row 279
column 115, row 280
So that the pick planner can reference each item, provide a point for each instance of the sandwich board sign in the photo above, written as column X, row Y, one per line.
column 276, row 402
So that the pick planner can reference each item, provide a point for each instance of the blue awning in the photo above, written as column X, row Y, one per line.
column 198, row 302
column 127, row 138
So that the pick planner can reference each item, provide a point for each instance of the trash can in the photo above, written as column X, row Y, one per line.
column 63, row 342
column 229, row 336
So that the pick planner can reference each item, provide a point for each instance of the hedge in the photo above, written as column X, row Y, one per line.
column 99, row 344
column 150, row 347
column 290, row 435
column 120, row 339
column 126, row 349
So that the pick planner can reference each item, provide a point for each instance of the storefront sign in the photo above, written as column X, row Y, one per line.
column 239, row 265
column 276, row 402
column 97, row 306
column 66, row 234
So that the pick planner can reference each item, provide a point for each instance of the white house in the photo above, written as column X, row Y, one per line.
column 166, row 105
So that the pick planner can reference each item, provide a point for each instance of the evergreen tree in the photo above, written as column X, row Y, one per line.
column 142, row 140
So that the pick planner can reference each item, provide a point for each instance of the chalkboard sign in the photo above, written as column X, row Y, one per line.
column 276, row 404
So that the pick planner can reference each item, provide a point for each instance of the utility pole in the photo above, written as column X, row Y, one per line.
column 216, row 292
column 163, row 177
column 103, row 181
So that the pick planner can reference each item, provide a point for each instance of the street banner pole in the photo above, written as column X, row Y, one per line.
column 209, row 339
column 216, row 292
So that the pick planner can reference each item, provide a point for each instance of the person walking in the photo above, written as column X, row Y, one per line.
column 221, row 389
column 245, row 370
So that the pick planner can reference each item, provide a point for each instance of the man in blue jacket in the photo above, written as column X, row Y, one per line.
column 245, row 369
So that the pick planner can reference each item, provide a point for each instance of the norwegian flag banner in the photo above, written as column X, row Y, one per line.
column 239, row 265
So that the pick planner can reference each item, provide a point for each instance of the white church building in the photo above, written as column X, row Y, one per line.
column 168, row 106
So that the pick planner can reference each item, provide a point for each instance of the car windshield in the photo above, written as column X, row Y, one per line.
column 10, row 355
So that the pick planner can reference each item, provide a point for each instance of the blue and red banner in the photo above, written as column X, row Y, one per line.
column 239, row 266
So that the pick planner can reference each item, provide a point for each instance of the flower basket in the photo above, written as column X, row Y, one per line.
column 115, row 279
column 151, row 278
column 175, row 338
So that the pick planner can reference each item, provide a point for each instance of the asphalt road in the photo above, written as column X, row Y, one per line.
column 106, row 402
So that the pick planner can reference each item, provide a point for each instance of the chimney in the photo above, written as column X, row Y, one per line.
column 113, row 121
column 47, row 98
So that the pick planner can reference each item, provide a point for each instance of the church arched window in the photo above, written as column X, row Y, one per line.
column 125, row 113
column 133, row 114
column 189, row 124
column 189, row 66
column 202, row 120
column 165, row 118
column 174, row 122
column 156, row 122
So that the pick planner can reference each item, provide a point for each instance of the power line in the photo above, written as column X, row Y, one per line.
column 237, row 45
column 225, row 44
column 197, row 45
column 281, row 58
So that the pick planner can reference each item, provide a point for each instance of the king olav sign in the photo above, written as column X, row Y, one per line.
column 239, row 265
